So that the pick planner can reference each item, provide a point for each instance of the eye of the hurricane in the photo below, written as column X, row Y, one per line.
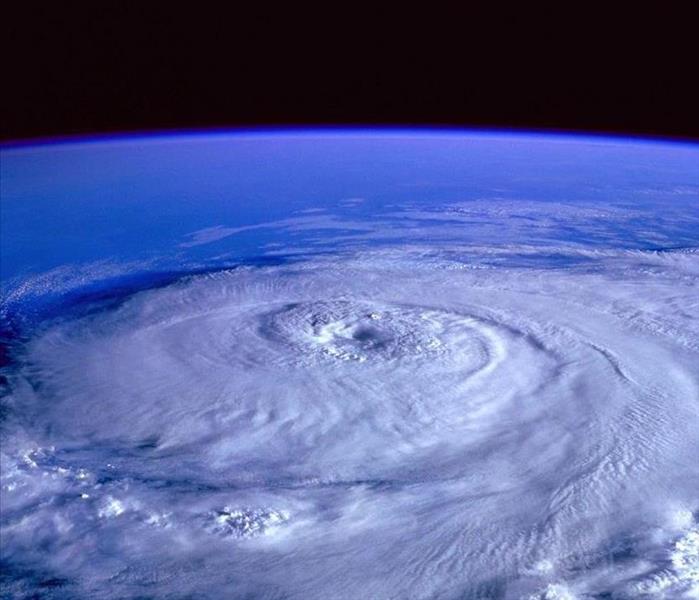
column 356, row 340
column 369, row 336
column 358, row 331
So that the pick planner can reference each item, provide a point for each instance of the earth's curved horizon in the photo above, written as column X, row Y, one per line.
column 366, row 363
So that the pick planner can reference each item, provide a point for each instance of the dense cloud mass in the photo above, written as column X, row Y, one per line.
column 406, row 422
column 403, row 365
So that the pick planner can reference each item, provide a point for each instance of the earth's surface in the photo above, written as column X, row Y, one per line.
column 350, row 365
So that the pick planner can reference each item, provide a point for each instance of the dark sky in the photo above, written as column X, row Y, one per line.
column 123, row 66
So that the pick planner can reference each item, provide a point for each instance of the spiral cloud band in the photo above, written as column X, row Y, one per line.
column 438, row 425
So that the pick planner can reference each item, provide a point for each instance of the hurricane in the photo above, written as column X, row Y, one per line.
column 474, row 397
